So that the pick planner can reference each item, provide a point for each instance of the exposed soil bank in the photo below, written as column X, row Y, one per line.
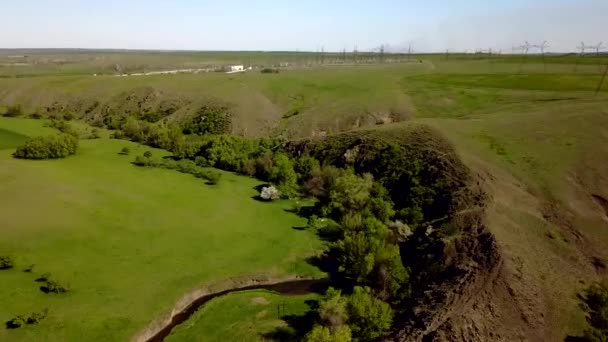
column 184, row 310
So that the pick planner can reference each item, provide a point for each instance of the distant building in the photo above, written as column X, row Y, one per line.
column 235, row 68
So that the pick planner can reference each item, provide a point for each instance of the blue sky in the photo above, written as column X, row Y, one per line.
column 429, row 25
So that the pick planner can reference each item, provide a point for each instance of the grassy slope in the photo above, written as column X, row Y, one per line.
column 245, row 316
column 531, row 133
column 331, row 99
column 129, row 241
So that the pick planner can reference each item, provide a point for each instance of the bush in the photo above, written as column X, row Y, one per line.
column 201, row 161
column 320, row 333
column 148, row 154
column 51, row 286
column 305, row 166
column 63, row 126
column 36, row 317
column 19, row 320
column 270, row 193
column 212, row 176
column 209, row 119
column 16, row 322
column 269, row 71
column 48, row 147
column 6, row 263
column 13, row 111
column 595, row 301
column 144, row 161
column 125, row 151
column 95, row 134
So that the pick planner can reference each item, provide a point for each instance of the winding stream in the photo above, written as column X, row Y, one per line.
column 289, row 288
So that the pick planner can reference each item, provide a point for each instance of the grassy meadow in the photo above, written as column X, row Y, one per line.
column 128, row 241
column 245, row 316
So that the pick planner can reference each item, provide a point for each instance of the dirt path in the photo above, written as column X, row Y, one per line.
column 158, row 330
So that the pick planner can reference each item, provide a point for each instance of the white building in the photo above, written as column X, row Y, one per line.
column 235, row 68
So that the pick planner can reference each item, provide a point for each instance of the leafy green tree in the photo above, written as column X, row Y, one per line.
column 323, row 334
column 321, row 181
column 389, row 278
column 283, row 174
column 356, row 255
column 349, row 193
column 305, row 166
column 369, row 317
column 332, row 309
column 48, row 147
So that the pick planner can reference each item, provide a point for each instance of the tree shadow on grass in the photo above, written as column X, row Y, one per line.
column 305, row 211
column 297, row 325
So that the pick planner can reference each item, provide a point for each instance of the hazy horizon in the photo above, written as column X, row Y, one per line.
column 188, row 25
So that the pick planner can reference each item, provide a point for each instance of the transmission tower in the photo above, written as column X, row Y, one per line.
column 542, row 48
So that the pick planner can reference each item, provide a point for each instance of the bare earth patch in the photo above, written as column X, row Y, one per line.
column 260, row 301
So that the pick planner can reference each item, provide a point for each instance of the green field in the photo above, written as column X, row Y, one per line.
column 128, row 241
column 244, row 316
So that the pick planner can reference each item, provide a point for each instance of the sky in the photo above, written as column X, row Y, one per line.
column 332, row 25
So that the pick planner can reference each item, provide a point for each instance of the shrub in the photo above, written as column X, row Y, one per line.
column 201, row 161
column 19, row 320
column 125, row 151
column 595, row 300
column 6, row 263
column 148, row 154
column 269, row 71
column 212, row 176
column 15, row 322
column 48, row 147
column 270, row 193
column 36, row 317
column 13, row 111
column 36, row 116
column 95, row 134
column 209, row 119
column 63, row 126
column 51, row 286
column 143, row 161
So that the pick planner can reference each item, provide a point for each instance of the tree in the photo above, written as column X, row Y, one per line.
column 306, row 166
column 283, row 174
column 125, row 151
column 349, row 193
column 369, row 317
column 48, row 147
column 332, row 309
column 282, row 171
column 356, row 255
column 389, row 278
column 321, row 181
column 270, row 193
column 323, row 334
column 148, row 154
